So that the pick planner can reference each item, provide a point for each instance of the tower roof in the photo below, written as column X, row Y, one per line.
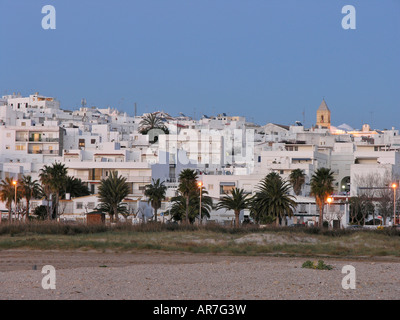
column 323, row 106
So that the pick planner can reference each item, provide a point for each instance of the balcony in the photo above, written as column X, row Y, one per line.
column 32, row 139
column 54, row 152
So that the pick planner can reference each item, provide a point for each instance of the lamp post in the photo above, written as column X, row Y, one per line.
column 394, row 186
column 329, row 204
column 200, row 185
column 15, row 183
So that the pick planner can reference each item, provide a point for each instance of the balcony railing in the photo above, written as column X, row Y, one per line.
column 43, row 139
column 55, row 152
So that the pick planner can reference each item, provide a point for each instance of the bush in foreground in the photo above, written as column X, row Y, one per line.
column 319, row 266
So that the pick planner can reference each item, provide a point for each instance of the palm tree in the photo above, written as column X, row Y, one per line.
column 7, row 194
column 237, row 202
column 152, row 121
column 30, row 189
column 297, row 178
column 321, row 187
column 75, row 187
column 53, row 179
column 179, row 205
column 272, row 199
column 206, row 203
column 106, row 207
column 111, row 193
column 155, row 193
column 187, row 187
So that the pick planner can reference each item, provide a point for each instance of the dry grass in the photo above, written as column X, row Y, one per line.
column 206, row 239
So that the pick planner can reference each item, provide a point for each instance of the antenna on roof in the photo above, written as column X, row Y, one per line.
column 372, row 118
column 83, row 102
column 135, row 109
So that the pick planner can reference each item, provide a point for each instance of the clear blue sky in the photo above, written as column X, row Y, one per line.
column 268, row 60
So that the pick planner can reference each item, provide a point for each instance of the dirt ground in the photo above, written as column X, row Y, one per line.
column 153, row 275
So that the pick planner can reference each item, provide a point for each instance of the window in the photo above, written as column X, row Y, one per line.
column 226, row 188
column 79, row 205
column 210, row 187
column 93, row 141
column 82, row 143
column 90, row 205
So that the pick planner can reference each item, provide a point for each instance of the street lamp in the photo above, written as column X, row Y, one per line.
column 394, row 186
column 200, row 185
column 15, row 183
column 329, row 200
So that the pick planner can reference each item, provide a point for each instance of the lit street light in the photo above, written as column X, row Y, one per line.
column 394, row 186
column 329, row 200
column 15, row 183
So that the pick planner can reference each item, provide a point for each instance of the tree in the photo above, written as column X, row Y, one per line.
column 385, row 204
column 385, row 196
column 111, row 193
column 272, row 199
column 53, row 179
column 40, row 212
column 75, row 187
column 179, row 206
column 152, row 121
column 369, row 191
column 206, row 203
column 108, row 209
column 360, row 208
column 237, row 202
column 187, row 187
column 7, row 194
column 297, row 179
column 321, row 188
column 155, row 193
column 29, row 189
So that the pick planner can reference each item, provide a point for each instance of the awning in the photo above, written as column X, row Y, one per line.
column 227, row 184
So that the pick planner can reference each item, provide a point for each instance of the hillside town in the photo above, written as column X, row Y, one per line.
column 226, row 151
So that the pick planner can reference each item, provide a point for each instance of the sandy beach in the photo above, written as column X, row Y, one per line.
column 91, row 275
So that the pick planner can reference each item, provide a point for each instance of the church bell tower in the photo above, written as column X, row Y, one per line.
column 323, row 116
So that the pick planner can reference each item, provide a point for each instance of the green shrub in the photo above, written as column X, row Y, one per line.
column 319, row 266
